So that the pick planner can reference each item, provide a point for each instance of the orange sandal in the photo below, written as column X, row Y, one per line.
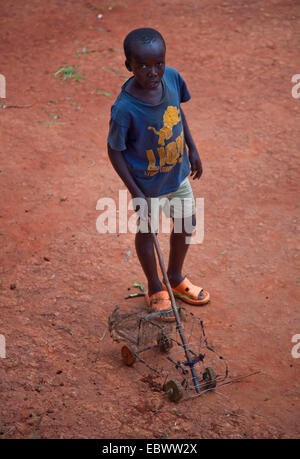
column 189, row 293
column 159, row 302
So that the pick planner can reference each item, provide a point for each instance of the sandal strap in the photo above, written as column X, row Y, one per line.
column 187, row 288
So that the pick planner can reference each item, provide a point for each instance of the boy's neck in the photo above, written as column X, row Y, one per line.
column 152, row 97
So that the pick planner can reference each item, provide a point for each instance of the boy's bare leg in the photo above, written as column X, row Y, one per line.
column 178, row 250
column 146, row 255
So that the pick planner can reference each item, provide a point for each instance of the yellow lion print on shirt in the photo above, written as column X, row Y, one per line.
column 171, row 118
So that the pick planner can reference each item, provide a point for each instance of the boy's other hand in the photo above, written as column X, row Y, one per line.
column 196, row 165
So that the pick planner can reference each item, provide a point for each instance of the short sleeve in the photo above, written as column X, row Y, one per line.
column 117, row 136
column 184, row 92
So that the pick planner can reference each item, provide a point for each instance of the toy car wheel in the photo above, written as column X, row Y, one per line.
column 174, row 390
column 128, row 355
column 210, row 377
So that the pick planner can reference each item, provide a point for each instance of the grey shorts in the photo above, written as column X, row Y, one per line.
column 179, row 204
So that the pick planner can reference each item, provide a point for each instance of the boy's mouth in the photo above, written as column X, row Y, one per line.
column 153, row 83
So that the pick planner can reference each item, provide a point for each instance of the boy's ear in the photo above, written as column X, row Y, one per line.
column 128, row 66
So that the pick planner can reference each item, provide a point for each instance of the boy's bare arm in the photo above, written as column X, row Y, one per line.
column 196, row 165
column 117, row 159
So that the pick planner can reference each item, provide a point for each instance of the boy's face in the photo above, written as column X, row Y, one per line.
column 147, row 63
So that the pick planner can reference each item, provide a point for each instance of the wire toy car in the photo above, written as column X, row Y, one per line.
column 144, row 332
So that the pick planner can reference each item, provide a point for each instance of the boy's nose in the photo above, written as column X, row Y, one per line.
column 153, row 71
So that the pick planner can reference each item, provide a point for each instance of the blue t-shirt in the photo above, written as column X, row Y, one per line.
column 151, row 136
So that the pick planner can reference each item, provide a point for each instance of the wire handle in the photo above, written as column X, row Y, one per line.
column 174, row 307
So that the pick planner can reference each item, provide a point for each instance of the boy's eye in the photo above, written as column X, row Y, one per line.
column 159, row 65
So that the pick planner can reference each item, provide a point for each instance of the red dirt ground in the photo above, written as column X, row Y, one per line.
column 60, row 279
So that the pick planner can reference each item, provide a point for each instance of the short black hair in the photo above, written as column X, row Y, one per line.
column 144, row 35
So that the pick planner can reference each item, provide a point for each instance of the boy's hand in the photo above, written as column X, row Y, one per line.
column 140, row 205
column 196, row 165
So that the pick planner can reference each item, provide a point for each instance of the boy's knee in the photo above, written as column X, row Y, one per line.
column 144, row 235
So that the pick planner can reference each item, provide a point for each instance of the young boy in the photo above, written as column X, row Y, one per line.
column 147, row 142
